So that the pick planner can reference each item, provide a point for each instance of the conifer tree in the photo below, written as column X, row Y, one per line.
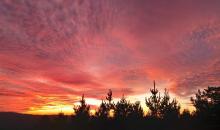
column 169, row 109
column 82, row 110
column 105, row 107
column 153, row 102
column 103, row 110
column 162, row 107
column 123, row 108
column 207, row 103
column 136, row 111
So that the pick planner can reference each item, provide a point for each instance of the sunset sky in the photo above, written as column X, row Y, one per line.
column 53, row 51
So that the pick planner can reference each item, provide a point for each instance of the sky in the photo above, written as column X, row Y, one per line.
column 53, row 51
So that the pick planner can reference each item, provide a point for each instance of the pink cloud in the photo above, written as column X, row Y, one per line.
column 59, row 50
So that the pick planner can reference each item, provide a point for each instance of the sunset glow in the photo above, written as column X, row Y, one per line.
column 52, row 52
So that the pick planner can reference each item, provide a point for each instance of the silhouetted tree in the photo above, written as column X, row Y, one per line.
column 169, row 109
column 207, row 103
column 185, row 115
column 109, row 96
column 136, row 111
column 122, row 109
column 104, row 108
column 153, row 102
column 82, row 110
column 162, row 107
column 81, row 118
column 186, row 120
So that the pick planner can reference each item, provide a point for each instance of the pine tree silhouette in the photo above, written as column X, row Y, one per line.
column 207, row 103
column 136, row 111
column 162, row 107
column 103, row 110
column 122, row 109
column 153, row 102
column 109, row 98
column 105, row 107
column 169, row 109
column 82, row 110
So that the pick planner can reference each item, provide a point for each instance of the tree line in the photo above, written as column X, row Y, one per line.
column 164, row 112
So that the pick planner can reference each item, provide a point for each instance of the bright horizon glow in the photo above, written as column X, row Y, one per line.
column 94, row 103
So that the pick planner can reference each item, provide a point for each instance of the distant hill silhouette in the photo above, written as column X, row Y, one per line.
column 10, row 120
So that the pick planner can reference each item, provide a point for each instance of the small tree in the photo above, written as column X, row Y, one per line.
column 82, row 110
column 169, row 109
column 207, row 103
column 109, row 98
column 103, row 110
column 153, row 102
column 122, row 109
column 185, row 115
column 105, row 107
column 136, row 111
column 162, row 107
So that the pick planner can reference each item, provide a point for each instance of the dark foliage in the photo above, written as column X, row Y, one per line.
column 105, row 107
column 153, row 103
column 207, row 104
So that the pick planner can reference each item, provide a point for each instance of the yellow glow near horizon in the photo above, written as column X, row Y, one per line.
column 54, row 108
column 51, row 110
